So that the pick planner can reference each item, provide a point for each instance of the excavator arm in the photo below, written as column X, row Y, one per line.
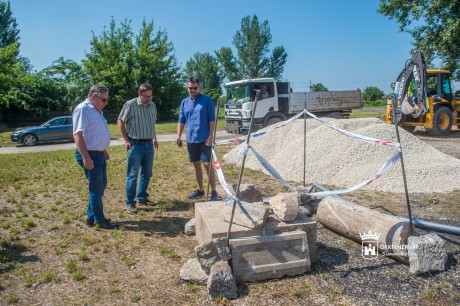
column 410, row 88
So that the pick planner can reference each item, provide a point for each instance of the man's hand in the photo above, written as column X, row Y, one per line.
column 155, row 145
column 88, row 163
column 106, row 155
column 179, row 142
column 127, row 145
column 209, row 141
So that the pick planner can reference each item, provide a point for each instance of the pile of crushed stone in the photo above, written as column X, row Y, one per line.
column 334, row 159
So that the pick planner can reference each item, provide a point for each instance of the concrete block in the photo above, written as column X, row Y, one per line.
column 270, row 256
column 250, row 215
column 210, row 224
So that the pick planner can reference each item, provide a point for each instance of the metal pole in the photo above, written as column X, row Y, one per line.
column 214, row 140
column 242, row 164
column 304, row 142
column 402, row 165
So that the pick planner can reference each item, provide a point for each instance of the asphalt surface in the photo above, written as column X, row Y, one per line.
column 46, row 147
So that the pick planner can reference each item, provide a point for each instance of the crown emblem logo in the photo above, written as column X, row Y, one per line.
column 370, row 235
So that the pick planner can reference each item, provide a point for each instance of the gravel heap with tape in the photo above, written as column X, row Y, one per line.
column 334, row 159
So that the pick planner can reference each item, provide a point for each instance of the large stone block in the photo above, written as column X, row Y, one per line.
column 250, row 215
column 270, row 256
column 210, row 224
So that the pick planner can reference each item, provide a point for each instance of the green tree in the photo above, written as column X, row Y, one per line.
column 111, row 62
column 228, row 63
column 373, row 96
column 155, row 63
column 8, row 26
column 434, row 26
column 121, row 61
column 253, row 54
column 71, row 81
column 318, row 87
column 206, row 68
column 12, row 78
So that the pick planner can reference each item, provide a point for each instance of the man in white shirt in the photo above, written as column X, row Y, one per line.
column 92, row 138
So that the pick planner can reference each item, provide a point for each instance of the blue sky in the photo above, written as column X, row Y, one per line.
column 341, row 44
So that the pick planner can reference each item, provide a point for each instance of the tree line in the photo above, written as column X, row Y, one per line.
column 122, row 59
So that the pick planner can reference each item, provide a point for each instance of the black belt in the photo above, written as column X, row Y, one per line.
column 95, row 151
column 143, row 140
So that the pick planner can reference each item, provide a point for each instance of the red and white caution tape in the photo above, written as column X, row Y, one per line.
column 270, row 169
column 220, row 174
column 354, row 135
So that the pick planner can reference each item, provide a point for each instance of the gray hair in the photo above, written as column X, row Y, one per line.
column 97, row 88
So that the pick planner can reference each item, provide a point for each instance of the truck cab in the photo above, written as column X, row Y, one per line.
column 240, row 103
column 278, row 103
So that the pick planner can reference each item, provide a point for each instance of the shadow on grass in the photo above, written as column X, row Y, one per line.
column 11, row 254
column 162, row 226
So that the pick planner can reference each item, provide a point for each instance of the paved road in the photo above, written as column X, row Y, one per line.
column 45, row 147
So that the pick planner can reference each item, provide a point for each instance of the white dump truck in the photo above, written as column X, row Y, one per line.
column 279, row 103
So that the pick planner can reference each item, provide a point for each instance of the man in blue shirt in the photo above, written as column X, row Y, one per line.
column 197, row 114
column 92, row 138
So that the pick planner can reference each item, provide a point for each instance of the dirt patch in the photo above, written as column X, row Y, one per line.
column 449, row 144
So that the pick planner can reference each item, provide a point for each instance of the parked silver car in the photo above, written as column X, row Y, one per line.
column 56, row 129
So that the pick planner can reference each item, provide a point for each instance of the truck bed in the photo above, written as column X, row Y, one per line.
column 325, row 101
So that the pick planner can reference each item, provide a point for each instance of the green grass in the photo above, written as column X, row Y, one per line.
column 368, row 112
column 44, row 197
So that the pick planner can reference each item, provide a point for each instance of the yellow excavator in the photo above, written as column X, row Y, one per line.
column 424, row 97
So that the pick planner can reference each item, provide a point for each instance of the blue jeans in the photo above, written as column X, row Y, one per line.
column 97, row 181
column 140, row 156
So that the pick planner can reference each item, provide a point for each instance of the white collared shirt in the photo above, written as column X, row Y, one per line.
column 91, row 122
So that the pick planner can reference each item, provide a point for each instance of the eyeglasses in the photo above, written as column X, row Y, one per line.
column 146, row 97
column 102, row 99
column 194, row 88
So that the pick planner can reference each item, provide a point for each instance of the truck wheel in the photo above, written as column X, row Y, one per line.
column 273, row 120
column 442, row 122
column 336, row 115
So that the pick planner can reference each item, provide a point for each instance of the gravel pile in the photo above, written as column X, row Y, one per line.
column 335, row 159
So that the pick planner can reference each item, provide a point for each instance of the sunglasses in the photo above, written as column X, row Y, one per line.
column 102, row 99
column 194, row 88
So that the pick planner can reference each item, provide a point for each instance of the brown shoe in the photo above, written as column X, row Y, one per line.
column 147, row 202
column 131, row 209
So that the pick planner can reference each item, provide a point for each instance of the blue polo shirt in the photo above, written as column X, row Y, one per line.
column 196, row 115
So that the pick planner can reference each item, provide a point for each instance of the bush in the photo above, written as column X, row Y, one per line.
column 375, row 103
